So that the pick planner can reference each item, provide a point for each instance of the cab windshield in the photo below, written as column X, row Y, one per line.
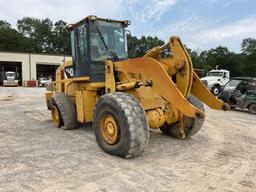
column 233, row 84
column 215, row 74
column 110, row 33
column 9, row 74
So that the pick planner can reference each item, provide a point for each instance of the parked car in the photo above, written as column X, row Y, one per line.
column 43, row 81
column 240, row 92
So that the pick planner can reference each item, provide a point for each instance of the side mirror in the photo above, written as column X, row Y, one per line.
column 128, row 32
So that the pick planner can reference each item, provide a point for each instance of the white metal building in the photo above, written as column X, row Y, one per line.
column 31, row 66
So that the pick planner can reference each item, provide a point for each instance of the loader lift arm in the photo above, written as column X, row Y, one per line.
column 173, row 79
column 159, row 70
column 161, row 83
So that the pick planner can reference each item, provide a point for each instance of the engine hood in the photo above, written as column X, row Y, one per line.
column 210, row 78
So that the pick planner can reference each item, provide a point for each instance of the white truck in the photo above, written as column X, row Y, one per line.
column 10, row 79
column 216, row 79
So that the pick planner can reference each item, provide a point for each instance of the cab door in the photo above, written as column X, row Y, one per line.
column 80, row 51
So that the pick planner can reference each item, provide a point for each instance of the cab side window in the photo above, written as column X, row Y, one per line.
column 225, row 75
column 82, row 43
column 74, row 47
column 79, row 50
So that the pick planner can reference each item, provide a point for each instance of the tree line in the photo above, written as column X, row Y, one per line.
column 35, row 36
column 45, row 36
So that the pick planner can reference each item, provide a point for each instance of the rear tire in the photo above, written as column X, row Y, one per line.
column 131, row 131
column 252, row 108
column 66, row 110
column 191, row 125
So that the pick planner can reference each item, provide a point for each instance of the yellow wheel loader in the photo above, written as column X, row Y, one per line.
column 124, row 98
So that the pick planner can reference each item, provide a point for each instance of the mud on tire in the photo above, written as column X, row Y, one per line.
column 66, row 109
column 131, row 123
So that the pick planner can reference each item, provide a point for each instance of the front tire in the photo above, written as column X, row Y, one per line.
column 191, row 125
column 216, row 90
column 120, row 125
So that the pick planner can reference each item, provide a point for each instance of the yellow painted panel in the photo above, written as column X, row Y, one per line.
column 48, row 95
column 79, row 106
column 89, row 100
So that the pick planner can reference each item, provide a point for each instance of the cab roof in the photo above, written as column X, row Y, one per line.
column 243, row 78
column 218, row 70
column 94, row 18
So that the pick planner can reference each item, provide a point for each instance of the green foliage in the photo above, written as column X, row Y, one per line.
column 61, row 38
column 248, row 46
column 45, row 36
column 249, row 54
column 138, row 47
column 4, row 25
column 222, row 58
column 249, row 66
column 10, row 39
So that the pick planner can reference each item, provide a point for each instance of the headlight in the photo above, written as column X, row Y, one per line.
column 16, row 81
column 205, row 82
column 210, row 82
column 5, row 81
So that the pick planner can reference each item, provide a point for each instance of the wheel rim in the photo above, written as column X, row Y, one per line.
column 216, row 91
column 108, row 129
column 55, row 116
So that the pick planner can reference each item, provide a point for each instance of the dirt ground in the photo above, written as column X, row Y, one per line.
column 35, row 156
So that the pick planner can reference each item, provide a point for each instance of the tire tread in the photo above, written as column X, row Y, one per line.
column 67, row 110
column 135, row 117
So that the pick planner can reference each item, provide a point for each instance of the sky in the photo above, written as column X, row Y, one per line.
column 201, row 24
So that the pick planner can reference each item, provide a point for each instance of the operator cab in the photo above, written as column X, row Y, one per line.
column 219, row 73
column 95, row 40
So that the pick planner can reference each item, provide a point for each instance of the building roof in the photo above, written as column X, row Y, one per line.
column 46, row 54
